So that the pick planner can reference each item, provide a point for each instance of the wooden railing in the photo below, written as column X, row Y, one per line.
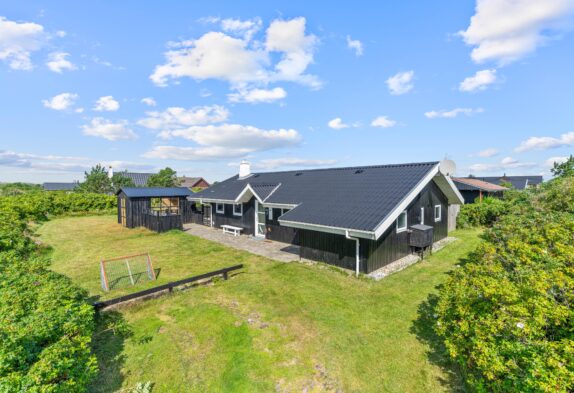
column 165, row 287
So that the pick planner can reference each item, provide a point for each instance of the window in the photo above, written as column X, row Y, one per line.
column 164, row 206
column 402, row 222
column 437, row 212
column 422, row 215
column 283, row 211
column 270, row 214
column 220, row 208
column 238, row 209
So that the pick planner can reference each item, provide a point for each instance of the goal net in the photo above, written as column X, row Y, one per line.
column 126, row 271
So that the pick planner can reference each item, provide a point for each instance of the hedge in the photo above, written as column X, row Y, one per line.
column 506, row 314
column 46, row 323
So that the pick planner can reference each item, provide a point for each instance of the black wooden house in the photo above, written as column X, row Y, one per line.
column 358, row 218
column 159, row 209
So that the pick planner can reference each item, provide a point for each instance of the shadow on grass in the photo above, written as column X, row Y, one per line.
column 108, row 343
column 423, row 327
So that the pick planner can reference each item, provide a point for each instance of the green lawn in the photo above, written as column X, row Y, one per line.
column 274, row 327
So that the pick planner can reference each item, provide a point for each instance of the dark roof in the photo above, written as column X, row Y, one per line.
column 139, row 178
column 155, row 192
column 518, row 182
column 190, row 181
column 357, row 198
column 60, row 186
column 473, row 184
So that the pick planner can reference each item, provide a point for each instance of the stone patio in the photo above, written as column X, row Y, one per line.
column 274, row 250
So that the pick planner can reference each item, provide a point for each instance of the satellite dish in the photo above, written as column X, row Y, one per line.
column 447, row 167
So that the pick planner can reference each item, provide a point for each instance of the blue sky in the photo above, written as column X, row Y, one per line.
column 199, row 86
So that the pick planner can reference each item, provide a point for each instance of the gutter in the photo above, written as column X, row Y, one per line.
column 357, row 253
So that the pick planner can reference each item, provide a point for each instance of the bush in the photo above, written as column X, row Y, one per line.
column 506, row 315
column 482, row 214
column 46, row 323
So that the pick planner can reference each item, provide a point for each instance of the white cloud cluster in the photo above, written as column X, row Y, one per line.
column 62, row 102
column 486, row 153
column 355, row 45
column 18, row 41
column 148, row 101
column 549, row 163
column 452, row 113
column 106, row 104
column 176, row 117
column 236, row 57
column 506, row 30
column 254, row 96
column 507, row 163
column 401, row 83
column 383, row 122
column 337, row 124
column 112, row 131
column 479, row 81
column 546, row 142
column 274, row 163
column 58, row 62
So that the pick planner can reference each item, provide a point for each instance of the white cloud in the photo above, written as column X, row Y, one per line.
column 194, row 153
column 254, row 96
column 57, row 62
column 109, row 130
column 242, row 60
column 355, row 45
column 337, row 124
column 506, row 30
column 176, row 117
column 453, row 113
column 507, row 163
column 478, row 81
column 275, row 163
column 107, row 104
column 18, row 41
column 401, row 83
column 237, row 136
column 558, row 160
column 546, row 142
column 244, row 28
column 61, row 101
column 490, row 152
column 384, row 122
column 148, row 101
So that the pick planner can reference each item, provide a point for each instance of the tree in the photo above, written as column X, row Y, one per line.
column 564, row 169
column 165, row 178
column 96, row 181
column 120, row 180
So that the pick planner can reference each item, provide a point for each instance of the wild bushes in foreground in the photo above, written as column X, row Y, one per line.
column 46, row 324
column 507, row 315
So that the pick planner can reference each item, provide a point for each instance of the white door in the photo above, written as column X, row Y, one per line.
column 259, row 220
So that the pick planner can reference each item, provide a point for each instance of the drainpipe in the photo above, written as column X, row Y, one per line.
column 357, row 254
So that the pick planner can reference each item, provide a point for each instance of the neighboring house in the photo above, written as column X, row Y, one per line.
column 472, row 189
column 193, row 182
column 517, row 182
column 157, row 208
column 60, row 186
column 357, row 218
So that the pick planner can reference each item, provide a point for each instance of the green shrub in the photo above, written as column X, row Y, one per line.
column 46, row 323
column 482, row 214
column 506, row 314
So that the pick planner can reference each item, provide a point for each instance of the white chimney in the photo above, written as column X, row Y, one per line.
column 244, row 169
column 110, row 172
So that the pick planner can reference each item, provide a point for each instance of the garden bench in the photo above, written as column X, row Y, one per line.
column 236, row 231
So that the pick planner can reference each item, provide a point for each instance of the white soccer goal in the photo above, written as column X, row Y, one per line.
column 125, row 271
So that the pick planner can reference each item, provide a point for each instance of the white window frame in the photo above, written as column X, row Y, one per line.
column 270, row 214
column 439, row 217
column 240, row 214
column 422, row 216
column 402, row 229
column 222, row 211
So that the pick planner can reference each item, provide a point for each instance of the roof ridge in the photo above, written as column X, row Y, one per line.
column 353, row 167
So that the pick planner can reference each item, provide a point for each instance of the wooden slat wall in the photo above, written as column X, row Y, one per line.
column 327, row 247
column 280, row 233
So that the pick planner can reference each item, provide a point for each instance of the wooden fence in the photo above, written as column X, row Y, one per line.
column 165, row 287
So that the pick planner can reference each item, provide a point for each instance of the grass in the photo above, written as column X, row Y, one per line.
column 273, row 327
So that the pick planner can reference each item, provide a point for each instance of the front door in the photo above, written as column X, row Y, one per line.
column 259, row 220
column 123, row 211
column 207, row 215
